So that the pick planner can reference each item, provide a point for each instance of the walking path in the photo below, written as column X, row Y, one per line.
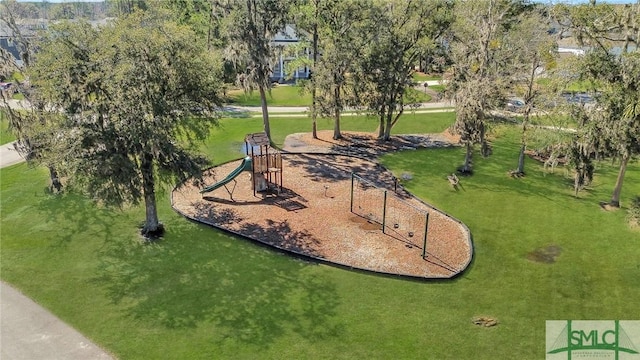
column 9, row 156
column 27, row 330
column 422, row 108
column 30, row 332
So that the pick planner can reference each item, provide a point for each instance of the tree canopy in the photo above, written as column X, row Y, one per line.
column 134, row 94
column 480, row 71
column 611, row 66
column 249, row 26
column 407, row 31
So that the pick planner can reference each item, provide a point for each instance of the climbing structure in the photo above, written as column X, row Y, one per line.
column 266, row 164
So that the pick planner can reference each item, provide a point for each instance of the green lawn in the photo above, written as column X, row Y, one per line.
column 438, row 88
column 574, row 86
column 418, row 76
column 281, row 95
column 226, row 142
column 6, row 136
column 291, row 95
column 202, row 294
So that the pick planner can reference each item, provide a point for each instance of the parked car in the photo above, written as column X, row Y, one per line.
column 5, row 86
column 578, row 97
column 514, row 105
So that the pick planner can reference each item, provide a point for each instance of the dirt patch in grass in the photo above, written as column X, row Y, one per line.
column 546, row 255
column 484, row 321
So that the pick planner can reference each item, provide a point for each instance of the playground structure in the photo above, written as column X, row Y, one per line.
column 264, row 163
column 323, row 227
column 397, row 217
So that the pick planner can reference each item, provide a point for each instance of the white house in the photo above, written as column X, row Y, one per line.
column 283, row 43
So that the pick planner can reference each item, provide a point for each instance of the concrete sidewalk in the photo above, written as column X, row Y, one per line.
column 9, row 155
column 27, row 330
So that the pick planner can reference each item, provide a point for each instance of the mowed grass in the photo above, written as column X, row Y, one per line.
column 419, row 76
column 281, row 95
column 291, row 95
column 226, row 142
column 201, row 294
column 6, row 136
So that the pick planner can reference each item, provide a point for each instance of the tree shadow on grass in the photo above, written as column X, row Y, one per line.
column 198, row 277
column 72, row 214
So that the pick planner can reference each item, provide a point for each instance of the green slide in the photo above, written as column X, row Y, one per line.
column 244, row 166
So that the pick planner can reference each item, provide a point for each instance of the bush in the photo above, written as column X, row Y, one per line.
column 634, row 212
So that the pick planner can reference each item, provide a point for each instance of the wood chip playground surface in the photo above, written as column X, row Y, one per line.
column 315, row 215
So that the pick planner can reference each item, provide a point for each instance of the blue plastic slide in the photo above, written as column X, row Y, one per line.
column 244, row 166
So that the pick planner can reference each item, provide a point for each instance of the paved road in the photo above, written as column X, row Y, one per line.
column 27, row 330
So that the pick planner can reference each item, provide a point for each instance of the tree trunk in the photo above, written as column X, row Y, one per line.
column 383, row 113
column 485, row 148
column 520, row 169
column 55, row 180
column 391, row 122
column 265, row 112
column 523, row 140
column 387, row 128
column 314, row 122
column 152, row 227
column 615, row 197
column 466, row 168
column 336, row 127
column 313, row 83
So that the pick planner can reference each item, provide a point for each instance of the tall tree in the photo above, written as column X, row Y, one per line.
column 133, row 93
column 612, row 64
column 534, row 50
column 307, row 18
column 123, row 7
column 26, row 120
column 249, row 26
column 345, row 29
column 201, row 16
column 480, row 31
column 406, row 32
